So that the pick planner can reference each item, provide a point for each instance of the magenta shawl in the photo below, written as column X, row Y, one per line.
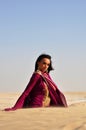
column 33, row 94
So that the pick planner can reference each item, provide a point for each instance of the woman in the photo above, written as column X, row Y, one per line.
column 41, row 91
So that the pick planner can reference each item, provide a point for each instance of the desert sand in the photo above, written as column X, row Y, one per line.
column 54, row 118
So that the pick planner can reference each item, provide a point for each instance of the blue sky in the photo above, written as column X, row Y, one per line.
column 31, row 27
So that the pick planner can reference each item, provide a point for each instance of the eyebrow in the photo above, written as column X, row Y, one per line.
column 46, row 63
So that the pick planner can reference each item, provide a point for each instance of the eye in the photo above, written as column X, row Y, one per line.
column 46, row 63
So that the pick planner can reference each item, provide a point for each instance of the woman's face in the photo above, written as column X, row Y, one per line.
column 43, row 65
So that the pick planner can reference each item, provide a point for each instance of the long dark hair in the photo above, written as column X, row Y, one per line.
column 40, row 58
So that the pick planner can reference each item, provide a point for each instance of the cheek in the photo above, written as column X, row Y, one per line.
column 43, row 66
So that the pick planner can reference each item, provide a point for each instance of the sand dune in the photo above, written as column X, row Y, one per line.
column 53, row 118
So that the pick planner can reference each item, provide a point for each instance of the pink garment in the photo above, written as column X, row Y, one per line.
column 34, row 93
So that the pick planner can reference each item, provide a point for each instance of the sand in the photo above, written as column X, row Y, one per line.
column 54, row 118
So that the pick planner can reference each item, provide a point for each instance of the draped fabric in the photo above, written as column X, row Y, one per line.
column 33, row 94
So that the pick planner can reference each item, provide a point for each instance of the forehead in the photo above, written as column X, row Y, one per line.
column 46, row 60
